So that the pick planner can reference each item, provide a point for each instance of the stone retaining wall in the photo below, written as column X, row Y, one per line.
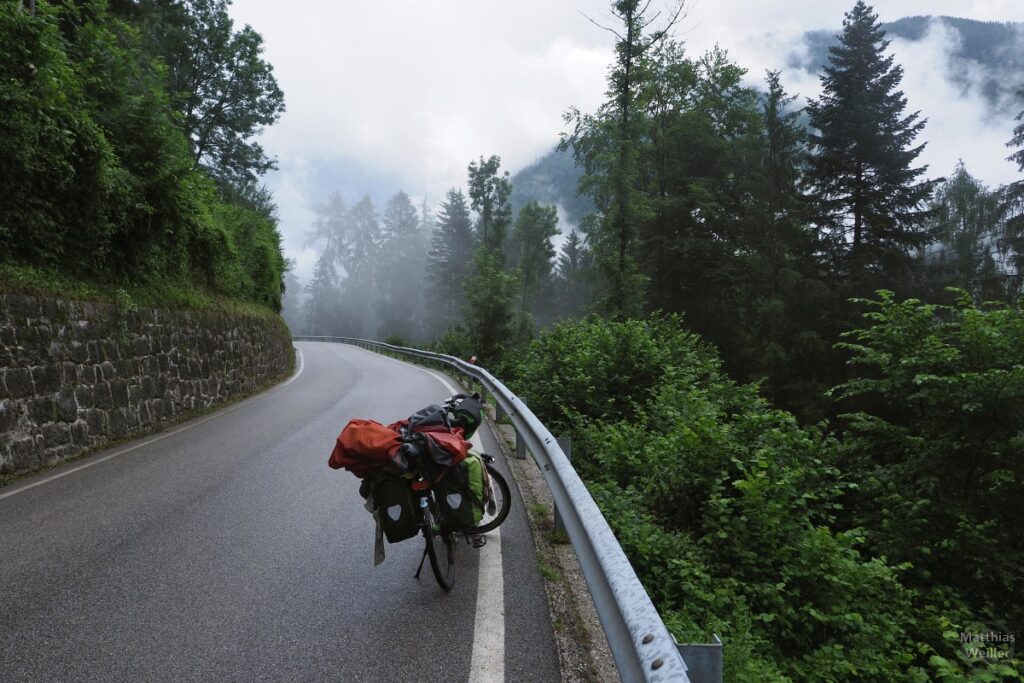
column 77, row 375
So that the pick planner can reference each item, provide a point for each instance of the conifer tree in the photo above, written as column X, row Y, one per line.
column 607, row 146
column 572, row 269
column 450, row 258
column 362, row 283
column 402, row 263
column 535, row 226
column 966, row 219
column 322, row 307
column 1013, row 239
column 868, row 192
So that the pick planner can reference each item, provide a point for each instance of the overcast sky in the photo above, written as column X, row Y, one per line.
column 407, row 92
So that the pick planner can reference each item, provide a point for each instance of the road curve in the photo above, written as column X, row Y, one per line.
column 226, row 550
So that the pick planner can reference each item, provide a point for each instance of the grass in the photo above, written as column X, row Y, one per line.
column 539, row 510
column 549, row 572
column 158, row 293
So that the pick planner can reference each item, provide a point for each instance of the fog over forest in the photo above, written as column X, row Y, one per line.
column 965, row 93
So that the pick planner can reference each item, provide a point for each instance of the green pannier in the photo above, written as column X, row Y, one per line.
column 460, row 493
column 392, row 498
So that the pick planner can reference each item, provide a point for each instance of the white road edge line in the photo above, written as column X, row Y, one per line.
column 488, row 659
column 161, row 437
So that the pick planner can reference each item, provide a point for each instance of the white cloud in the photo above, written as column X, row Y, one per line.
column 419, row 88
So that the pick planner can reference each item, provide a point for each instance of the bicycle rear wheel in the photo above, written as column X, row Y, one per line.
column 502, row 503
column 440, row 548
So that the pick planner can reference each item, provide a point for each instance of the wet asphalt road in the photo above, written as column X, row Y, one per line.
column 228, row 551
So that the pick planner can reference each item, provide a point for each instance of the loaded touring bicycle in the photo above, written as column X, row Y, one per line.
column 420, row 476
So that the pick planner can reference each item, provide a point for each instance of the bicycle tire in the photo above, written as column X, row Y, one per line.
column 440, row 548
column 503, row 493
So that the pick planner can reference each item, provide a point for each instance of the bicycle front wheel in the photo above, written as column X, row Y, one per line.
column 497, row 509
column 440, row 548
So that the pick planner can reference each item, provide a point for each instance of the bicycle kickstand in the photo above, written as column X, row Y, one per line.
column 422, row 560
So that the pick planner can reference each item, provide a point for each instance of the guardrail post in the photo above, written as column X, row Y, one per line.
column 704, row 661
column 565, row 443
column 520, row 446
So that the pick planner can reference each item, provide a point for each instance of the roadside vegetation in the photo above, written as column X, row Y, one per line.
column 126, row 166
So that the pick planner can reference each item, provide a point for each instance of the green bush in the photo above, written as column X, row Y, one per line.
column 935, row 438
column 722, row 503
column 602, row 370
column 99, row 179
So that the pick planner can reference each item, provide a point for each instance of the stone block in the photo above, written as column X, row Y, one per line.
column 22, row 308
column 46, row 378
column 56, row 434
column 117, row 424
column 78, row 352
column 119, row 393
column 24, row 455
column 8, row 335
column 109, row 349
column 142, row 346
column 67, row 405
column 68, row 374
column 107, row 370
column 87, row 374
column 149, row 386
column 126, row 367
column 151, row 366
column 10, row 412
column 158, row 409
column 96, row 420
column 95, row 352
column 164, row 360
column 101, row 397
column 42, row 410
column 80, row 433
column 58, row 351
column 49, row 308
column 83, row 394
column 82, row 330
column 19, row 383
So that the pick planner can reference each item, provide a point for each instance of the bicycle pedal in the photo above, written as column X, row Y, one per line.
column 477, row 541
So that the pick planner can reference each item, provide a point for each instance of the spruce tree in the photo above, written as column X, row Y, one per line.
column 607, row 146
column 966, row 219
column 450, row 258
column 535, row 226
column 323, row 306
column 868, row 193
column 574, row 291
column 363, row 268
column 1013, row 239
column 402, row 263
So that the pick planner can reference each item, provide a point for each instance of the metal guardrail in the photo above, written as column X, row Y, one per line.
column 641, row 645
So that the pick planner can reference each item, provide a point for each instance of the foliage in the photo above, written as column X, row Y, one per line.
column 532, row 251
column 935, row 439
column 218, row 81
column 607, row 146
column 491, row 322
column 573, row 277
column 401, row 267
column 100, row 183
column 448, row 262
column 60, row 172
column 967, row 222
column 868, row 194
column 489, row 196
column 723, row 504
